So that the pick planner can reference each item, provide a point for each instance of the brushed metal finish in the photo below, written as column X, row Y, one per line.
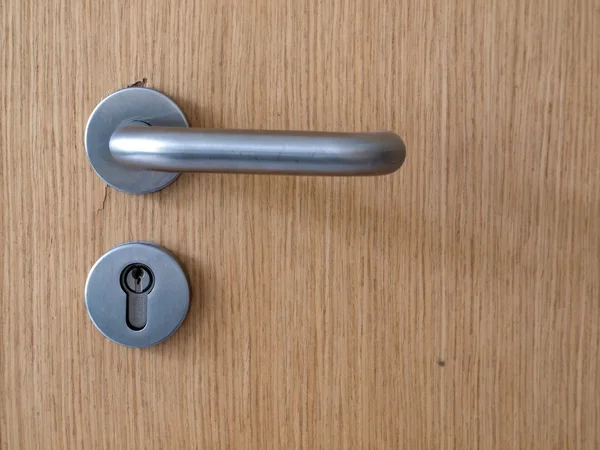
column 245, row 151
column 129, row 105
column 138, row 141
column 167, row 300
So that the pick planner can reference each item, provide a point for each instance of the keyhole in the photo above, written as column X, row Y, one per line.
column 137, row 281
column 137, row 273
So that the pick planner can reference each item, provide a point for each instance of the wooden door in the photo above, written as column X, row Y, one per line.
column 453, row 304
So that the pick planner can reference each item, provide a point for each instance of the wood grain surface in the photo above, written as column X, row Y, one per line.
column 453, row 304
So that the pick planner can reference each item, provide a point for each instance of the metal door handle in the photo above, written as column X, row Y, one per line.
column 137, row 140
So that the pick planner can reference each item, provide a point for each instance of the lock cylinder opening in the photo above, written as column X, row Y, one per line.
column 137, row 280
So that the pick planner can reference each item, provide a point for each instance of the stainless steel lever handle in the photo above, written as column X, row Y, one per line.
column 174, row 149
column 138, row 141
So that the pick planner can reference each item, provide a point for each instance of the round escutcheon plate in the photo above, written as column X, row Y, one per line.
column 134, row 104
column 159, row 306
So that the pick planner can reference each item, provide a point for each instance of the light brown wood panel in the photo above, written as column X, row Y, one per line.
column 453, row 304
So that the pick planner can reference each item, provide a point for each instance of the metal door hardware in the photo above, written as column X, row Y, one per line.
column 137, row 140
column 137, row 294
